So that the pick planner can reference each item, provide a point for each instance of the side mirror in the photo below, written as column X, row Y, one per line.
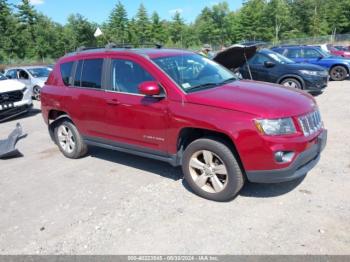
column 149, row 88
column 269, row 64
column 320, row 57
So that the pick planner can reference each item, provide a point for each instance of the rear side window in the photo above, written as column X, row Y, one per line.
column 89, row 73
column 12, row 74
column 66, row 70
column 294, row 53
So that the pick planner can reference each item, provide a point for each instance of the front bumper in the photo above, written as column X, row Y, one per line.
column 299, row 168
column 14, row 111
column 316, row 83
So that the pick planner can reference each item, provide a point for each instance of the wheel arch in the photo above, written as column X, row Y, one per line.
column 189, row 134
column 54, row 116
column 342, row 65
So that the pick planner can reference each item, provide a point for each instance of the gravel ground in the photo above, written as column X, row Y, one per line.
column 114, row 203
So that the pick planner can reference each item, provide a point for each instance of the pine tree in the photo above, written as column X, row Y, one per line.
column 118, row 24
column 143, row 25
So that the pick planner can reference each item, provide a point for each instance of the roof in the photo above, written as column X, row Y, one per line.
column 149, row 52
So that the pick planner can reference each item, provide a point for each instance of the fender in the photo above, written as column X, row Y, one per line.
column 292, row 76
column 52, row 125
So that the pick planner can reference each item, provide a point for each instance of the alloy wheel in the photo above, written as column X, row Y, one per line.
column 208, row 171
column 36, row 93
column 66, row 139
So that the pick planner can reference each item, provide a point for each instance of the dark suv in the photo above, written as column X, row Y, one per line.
column 270, row 66
column 182, row 108
column 338, row 67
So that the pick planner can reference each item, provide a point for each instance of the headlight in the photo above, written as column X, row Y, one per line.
column 275, row 127
column 309, row 73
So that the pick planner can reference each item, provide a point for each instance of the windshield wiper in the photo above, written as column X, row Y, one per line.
column 206, row 85
column 228, row 81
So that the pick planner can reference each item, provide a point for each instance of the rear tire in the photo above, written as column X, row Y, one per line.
column 338, row 73
column 292, row 82
column 69, row 140
column 211, row 170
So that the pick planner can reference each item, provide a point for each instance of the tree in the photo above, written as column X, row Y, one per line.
column 7, row 31
column 159, row 33
column 78, row 32
column 117, row 26
column 177, row 27
column 143, row 25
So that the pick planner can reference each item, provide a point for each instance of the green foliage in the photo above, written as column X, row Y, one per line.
column 27, row 35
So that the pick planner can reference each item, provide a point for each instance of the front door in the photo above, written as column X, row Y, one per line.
column 133, row 118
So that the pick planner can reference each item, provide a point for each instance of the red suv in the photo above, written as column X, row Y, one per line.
column 182, row 108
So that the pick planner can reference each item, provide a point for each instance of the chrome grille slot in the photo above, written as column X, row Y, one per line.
column 311, row 123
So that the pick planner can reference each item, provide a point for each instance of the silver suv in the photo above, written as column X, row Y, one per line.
column 34, row 77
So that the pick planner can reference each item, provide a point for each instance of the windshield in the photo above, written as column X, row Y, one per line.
column 2, row 77
column 280, row 58
column 39, row 72
column 324, row 53
column 194, row 72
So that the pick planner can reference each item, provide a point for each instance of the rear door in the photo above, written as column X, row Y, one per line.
column 87, row 97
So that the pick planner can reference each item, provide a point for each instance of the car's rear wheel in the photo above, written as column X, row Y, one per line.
column 338, row 73
column 211, row 170
column 36, row 92
column 69, row 140
column 291, row 82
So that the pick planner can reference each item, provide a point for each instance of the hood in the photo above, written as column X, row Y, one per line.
column 257, row 98
column 235, row 56
column 10, row 85
column 305, row 66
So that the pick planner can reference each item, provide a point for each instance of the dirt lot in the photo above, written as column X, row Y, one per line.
column 114, row 203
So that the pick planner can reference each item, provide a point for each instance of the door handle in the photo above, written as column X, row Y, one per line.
column 113, row 102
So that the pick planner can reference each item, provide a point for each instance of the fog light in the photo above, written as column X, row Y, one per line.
column 284, row 156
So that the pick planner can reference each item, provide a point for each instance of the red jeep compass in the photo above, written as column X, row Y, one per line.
column 179, row 107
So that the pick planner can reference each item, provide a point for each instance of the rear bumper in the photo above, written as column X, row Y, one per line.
column 299, row 168
column 13, row 112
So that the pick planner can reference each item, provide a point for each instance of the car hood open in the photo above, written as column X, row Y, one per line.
column 235, row 56
column 257, row 98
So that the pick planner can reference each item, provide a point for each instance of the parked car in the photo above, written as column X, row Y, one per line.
column 15, row 98
column 339, row 51
column 182, row 108
column 34, row 77
column 269, row 66
column 338, row 67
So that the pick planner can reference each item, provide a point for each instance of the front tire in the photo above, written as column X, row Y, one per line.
column 36, row 93
column 338, row 73
column 211, row 170
column 292, row 82
column 69, row 140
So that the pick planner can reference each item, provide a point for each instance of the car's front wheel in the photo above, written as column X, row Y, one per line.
column 212, row 170
column 338, row 73
column 69, row 140
column 36, row 92
column 291, row 82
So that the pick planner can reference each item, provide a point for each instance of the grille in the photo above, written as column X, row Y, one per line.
column 11, row 97
column 311, row 123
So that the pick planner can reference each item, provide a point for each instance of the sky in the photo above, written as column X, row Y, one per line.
column 99, row 10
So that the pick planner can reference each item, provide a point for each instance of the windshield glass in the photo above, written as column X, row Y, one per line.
column 194, row 72
column 39, row 72
column 280, row 58
column 324, row 53
column 2, row 77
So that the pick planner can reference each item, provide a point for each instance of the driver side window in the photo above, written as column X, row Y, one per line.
column 259, row 59
column 23, row 75
column 127, row 76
